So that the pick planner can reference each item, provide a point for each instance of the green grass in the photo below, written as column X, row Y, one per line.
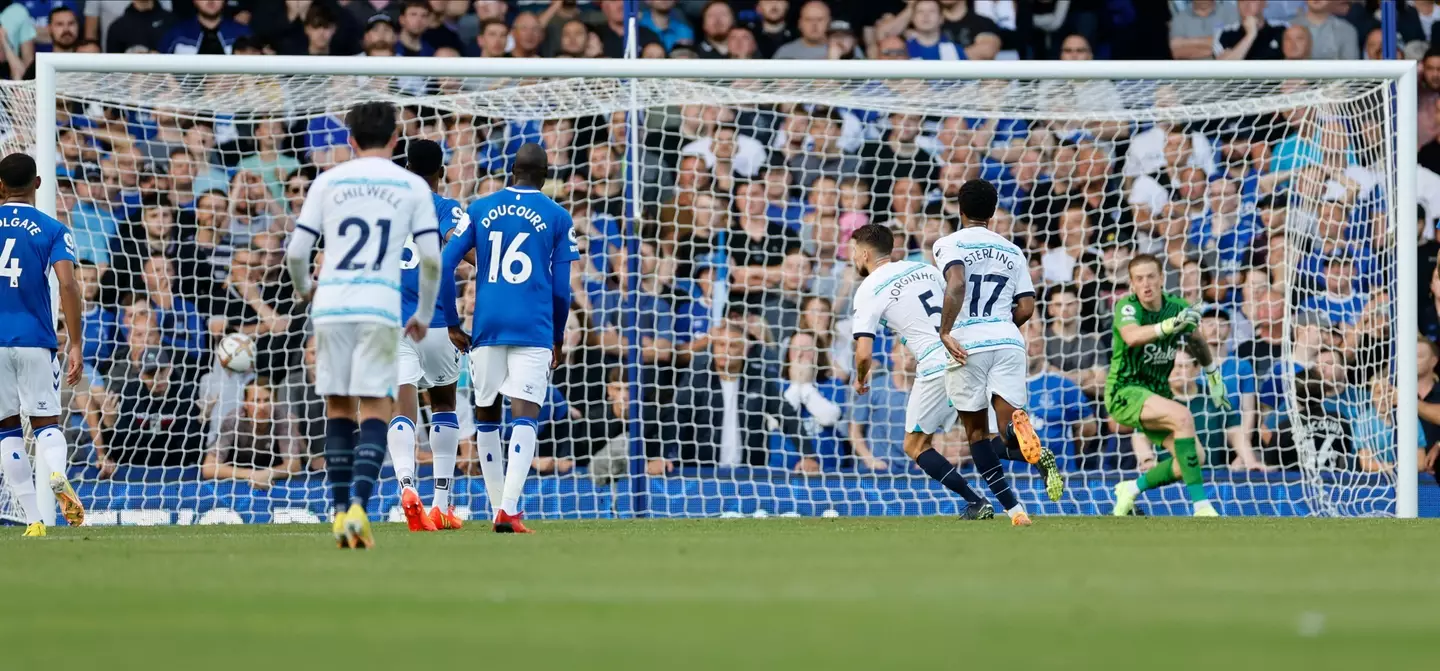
column 875, row 594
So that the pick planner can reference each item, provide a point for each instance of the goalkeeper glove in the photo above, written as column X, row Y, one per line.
column 1184, row 322
column 1215, row 385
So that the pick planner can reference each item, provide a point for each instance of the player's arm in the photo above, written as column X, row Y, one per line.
column 950, row 310
column 302, row 241
column 457, row 249
column 1127, row 320
column 864, row 324
column 70, row 303
column 559, row 305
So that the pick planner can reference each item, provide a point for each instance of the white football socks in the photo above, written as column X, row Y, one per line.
column 400, row 441
column 492, row 462
column 50, row 443
column 517, row 468
column 19, row 476
column 445, row 446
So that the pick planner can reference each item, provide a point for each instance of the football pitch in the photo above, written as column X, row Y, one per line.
column 856, row 593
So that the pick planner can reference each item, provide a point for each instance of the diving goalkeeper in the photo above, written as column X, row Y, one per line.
column 1150, row 327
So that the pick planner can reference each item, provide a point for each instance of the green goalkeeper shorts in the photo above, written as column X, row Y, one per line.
column 1124, row 405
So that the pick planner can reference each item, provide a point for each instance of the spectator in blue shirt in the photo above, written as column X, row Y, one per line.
column 926, row 42
column 1339, row 303
column 414, row 21
column 208, row 33
column 1064, row 417
column 1240, row 384
column 818, row 399
column 91, row 222
column 667, row 22
column 877, row 418
column 182, row 327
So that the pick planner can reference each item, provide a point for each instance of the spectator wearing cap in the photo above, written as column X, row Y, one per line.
column 1252, row 38
column 667, row 22
column 813, row 43
column 843, row 45
column 380, row 37
column 155, row 422
column 210, row 32
column 141, row 28
column 1331, row 37
column 1194, row 25
column 771, row 28
column 716, row 20
column 612, row 34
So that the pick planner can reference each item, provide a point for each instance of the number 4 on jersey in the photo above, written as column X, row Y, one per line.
column 10, row 265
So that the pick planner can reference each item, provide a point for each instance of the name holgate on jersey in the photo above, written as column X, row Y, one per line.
column 991, row 253
column 378, row 191
column 20, row 222
column 510, row 210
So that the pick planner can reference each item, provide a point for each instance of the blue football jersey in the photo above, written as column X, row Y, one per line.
column 30, row 242
column 517, row 234
column 450, row 216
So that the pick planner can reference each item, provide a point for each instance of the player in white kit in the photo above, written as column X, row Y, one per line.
column 365, row 209
column 905, row 296
column 988, row 280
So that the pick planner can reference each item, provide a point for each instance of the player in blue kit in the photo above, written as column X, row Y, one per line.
column 524, row 245
column 31, row 243
column 433, row 364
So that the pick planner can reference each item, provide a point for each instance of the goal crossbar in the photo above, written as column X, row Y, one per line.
column 1401, row 73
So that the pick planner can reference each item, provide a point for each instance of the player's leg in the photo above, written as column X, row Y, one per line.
column 1125, row 405
column 16, row 463
column 333, row 343
column 440, row 362
column 526, row 385
column 487, row 373
column 1017, row 435
column 400, row 443
column 969, row 393
column 928, row 411
column 376, row 345
column 38, row 388
column 445, row 445
column 1162, row 414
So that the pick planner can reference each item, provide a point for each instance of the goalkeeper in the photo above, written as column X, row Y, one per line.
column 1150, row 327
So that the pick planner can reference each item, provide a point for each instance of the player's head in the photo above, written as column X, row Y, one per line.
column 529, row 168
column 977, row 201
column 425, row 158
column 870, row 245
column 1147, row 277
column 372, row 127
column 19, row 177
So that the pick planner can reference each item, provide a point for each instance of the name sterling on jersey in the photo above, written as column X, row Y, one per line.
column 990, row 254
column 509, row 210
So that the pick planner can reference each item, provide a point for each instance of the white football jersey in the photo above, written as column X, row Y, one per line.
column 906, row 297
column 996, row 275
column 365, row 210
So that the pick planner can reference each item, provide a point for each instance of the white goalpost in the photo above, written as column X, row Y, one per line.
column 715, row 198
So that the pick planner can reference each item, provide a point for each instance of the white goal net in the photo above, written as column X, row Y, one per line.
column 708, row 357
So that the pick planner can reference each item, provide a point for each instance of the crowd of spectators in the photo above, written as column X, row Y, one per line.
column 715, row 322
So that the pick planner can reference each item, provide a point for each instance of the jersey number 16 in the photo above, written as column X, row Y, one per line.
column 515, row 266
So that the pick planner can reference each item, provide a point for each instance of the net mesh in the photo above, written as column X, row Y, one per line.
column 1266, row 199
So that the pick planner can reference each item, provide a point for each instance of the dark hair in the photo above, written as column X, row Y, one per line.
column 371, row 124
column 59, row 9
column 1144, row 258
column 491, row 22
column 530, row 165
column 422, row 4
column 978, row 199
column 878, row 237
column 1432, row 52
column 425, row 158
column 319, row 16
column 1058, row 289
column 18, row 171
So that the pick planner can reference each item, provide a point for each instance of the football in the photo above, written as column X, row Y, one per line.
column 236, row 352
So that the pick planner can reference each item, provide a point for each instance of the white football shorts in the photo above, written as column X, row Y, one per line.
column 29, row 382
column 996, row 372
column 513, row 372
column 432, row 362
column 928, row 408
column 356, row 359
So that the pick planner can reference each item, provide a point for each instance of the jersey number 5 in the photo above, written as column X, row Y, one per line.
column 10, row 265
column 516, row 266
column 347, row 262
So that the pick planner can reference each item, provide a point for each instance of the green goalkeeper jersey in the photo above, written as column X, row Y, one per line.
column 1148, row 365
